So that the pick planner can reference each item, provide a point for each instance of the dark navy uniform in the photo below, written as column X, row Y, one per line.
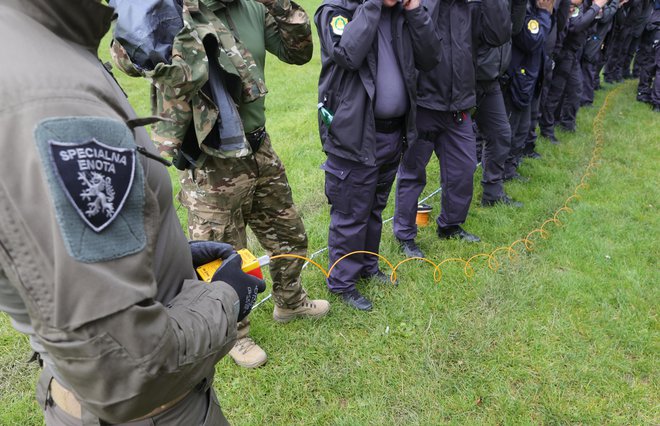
column 622, row 36
column 527, row 58
column 592, row 53
column 564, row 95
column 648, row 89
column 493, row 22
column 639, row 21
column 559, row 19
column 369, row 58
column 445, row 94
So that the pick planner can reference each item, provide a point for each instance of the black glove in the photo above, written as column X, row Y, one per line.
column 207, row 251
column 245, row 285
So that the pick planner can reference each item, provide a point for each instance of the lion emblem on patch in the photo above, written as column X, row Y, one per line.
column 98, row 193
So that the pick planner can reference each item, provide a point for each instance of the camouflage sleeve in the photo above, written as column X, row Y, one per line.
column 185, row 74
column 122, row 61
column 168, row 135
column 288, row 31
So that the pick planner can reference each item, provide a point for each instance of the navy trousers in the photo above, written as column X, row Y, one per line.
column 616, row 56
column 646, row 60
column 451, row 137
column 357, row 195
column 519, row 120
column 493, row 124
column 631, row 52
column 563, row 95
column 538, row 100
column 588, row 82
column 655, row 95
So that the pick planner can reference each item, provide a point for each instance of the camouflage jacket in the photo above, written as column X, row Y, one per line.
column 178, row 94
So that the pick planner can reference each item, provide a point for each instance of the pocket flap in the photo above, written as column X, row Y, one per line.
column 337, row 172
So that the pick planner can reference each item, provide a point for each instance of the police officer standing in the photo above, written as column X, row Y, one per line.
column 553, row 41
column 445, row 95
column 94, row 266
column 563, row 99
column 493, row 24
column 648, row 89
column 369, row 51
column 525, row 69
column 592, row 54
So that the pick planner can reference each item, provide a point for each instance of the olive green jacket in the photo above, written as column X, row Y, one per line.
column 119, row 315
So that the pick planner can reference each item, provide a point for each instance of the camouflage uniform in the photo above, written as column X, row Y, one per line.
column 231, row 190
column 230, row 193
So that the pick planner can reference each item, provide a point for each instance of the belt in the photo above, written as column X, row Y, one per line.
column 68, row 402
column 255, row 138
column 389, row 125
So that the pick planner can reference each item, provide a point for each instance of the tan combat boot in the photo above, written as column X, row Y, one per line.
column 308, row 309
column 248, row 354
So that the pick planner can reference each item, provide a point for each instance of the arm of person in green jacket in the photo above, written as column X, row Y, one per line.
column 288, row 32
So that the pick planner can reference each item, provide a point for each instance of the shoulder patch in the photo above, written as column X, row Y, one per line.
column 95, row 177
column 533, row 26
column 97, row 185
column 338, row 23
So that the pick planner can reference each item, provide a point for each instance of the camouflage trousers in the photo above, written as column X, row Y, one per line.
column 226, row 195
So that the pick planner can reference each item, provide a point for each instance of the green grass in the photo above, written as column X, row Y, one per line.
column 566, row 334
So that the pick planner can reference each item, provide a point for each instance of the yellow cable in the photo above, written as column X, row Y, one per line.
column 527, row 242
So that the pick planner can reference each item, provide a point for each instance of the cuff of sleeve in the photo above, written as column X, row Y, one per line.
column 279, row 8
column 415, row 15
column 229, row 298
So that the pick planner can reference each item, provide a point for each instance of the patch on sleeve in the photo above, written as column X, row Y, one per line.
column 533, row 26
column 97, row 185
column 338, row 23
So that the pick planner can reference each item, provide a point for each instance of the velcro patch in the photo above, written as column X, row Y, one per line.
column 97, row 185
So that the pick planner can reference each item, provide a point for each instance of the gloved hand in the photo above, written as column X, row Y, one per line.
column 245, row 285
column 207, row 251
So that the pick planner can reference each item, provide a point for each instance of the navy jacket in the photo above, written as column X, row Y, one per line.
column 450, row 86
column 347, row 32
column 491, row 26
column 558, row 21
column 578, row 27
column 598, row 31
column 527, row 55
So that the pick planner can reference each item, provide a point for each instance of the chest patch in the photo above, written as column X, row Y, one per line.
column 338, row 23
column 95, row 177
column 533, row 26
column 96, row 184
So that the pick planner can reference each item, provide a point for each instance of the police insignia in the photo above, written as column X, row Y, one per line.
column 338, row 23
column 95, row 177
column 533, row 26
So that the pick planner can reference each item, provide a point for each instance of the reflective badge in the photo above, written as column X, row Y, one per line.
column 95, row 177
column 338, row 23
column 533, row 26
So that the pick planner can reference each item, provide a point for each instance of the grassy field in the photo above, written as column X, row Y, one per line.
column 565, row 334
